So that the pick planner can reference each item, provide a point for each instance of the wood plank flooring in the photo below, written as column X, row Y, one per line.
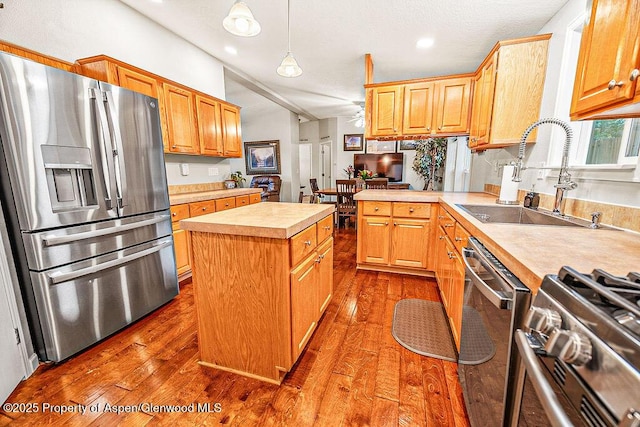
column 352, row 373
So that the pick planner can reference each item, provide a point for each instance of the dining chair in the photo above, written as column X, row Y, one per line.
column 346, row 207
column 377, row 183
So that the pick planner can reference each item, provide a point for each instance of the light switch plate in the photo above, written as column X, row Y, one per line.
column 184, row 169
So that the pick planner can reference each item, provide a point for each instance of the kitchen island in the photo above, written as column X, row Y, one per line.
column 263, row 276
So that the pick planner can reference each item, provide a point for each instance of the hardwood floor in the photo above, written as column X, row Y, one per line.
column 352, row 373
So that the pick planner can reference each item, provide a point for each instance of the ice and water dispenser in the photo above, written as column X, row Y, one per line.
column 70, row 179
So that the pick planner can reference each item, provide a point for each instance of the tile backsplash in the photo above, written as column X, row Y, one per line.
column 616, row 215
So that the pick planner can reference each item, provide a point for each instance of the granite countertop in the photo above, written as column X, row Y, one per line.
column 533, row 251
column 178, row 199
column 277, row 220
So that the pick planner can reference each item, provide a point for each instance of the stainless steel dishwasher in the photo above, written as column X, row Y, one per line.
column 495, row 304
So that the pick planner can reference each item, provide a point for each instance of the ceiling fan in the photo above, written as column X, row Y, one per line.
column 358, row 117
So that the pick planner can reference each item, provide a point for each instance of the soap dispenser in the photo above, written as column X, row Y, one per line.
column 532, row 199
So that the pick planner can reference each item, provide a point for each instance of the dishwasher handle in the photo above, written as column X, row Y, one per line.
column 499, row 299
column 548, row 399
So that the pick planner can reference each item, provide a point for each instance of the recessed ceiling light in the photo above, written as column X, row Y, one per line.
column 230, row 49
column 425, row 43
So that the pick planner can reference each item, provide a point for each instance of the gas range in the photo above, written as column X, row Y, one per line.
column 585, row 328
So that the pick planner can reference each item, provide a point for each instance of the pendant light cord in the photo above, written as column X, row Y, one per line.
column 288, row 26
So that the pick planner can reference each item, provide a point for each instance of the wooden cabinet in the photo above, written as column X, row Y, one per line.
column 192, row 122
column 180, row 120
column 452, row 111
column 231, row 134
column 242, row 201
column 385, row 111
column 256, row 316
column 181, row 239
column 225, row 203
column 255, row 198
column 417, row 108
column 209, row 126
column 606, row 84
column 202, row 208
column 394, row 236
column 508, row 92
column 449, row 269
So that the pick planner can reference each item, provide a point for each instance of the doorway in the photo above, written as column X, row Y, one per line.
column 305, row 167
column 325, row 164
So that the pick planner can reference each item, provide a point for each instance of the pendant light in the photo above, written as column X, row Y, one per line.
column 240, row 21
column 289, row 67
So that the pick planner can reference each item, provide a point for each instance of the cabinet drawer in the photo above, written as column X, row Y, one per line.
column 412, row 210
column 376, row 208
column 255, row 198
column 447, row 222
column 303, row 243
column 242, row 200
column 325, row 228
column 226, row 203
column 179, row 212
column 201, row 208
column 461, row 237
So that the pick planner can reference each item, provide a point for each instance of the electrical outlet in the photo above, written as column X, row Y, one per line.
column 541, row 172
column 213, row 172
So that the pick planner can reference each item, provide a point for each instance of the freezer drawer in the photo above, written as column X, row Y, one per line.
column 82, row 303
column 51, row 248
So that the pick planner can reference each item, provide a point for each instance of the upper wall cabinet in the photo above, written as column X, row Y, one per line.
column 425, row 107
column 508, row 92
column 606, row 84
column 192, row 122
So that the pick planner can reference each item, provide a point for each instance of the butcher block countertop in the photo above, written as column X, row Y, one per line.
column 275, row 220
column 532, row 251
column 178, row 199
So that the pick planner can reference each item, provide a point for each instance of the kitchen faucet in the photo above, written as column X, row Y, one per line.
column 564, row 178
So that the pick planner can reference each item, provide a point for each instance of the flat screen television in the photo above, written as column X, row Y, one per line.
column 388, row 165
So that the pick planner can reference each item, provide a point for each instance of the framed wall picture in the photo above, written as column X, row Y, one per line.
column 408, row 144
column 379, row 147
column 262, row 157
column 354, row 142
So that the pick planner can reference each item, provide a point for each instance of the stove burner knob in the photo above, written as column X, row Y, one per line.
column 543, row 320
column 569, row 346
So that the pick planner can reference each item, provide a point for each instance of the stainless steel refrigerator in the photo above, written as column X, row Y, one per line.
column 84, row 192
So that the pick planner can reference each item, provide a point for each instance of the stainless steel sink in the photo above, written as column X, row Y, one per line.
column 520, row 215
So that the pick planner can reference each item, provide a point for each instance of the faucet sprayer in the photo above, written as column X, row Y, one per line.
column 564, row 178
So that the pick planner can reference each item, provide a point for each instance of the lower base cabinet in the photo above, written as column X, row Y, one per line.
column 259, row 300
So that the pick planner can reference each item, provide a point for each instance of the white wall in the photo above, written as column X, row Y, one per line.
column 484, row 164
column 76, row 29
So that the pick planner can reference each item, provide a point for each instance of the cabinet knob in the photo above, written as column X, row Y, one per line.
column 441, row 237
column 448, row 225
column 410, row 209
column 376, row 209
column 173, row 146
column 173, row 214
column 386, row 223
column 451, row 255
column 458, row 239
column 439, row 127
column 612, row 84
column 204, row 209
column 395, row 224
column 440, row 217
column 634, row 74
column 307, row 242
column 226, row 205
column 428, row 129
column 327, row 227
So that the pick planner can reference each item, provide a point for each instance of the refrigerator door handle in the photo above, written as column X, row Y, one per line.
column 121, row 175
column 52, row 239
column 56, row 278
column 96, row 95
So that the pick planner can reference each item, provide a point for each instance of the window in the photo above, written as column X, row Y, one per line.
column 608, row 142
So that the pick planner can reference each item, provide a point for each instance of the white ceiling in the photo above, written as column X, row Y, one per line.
column 329, row 38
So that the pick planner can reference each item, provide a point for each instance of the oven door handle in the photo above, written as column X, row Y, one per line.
column 498, row 299
column 550, row 404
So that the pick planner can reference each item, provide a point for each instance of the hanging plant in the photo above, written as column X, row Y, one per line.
column 430, row 156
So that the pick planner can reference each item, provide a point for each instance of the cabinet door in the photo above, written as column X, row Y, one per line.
column 418, row 108
column 138, row 82
column 373, row 240
column 242, row 200
column 607, row 55
column 456, row 297
column 410, row 242
column 452, row 112
column 485, row 108
column 231, row 130
column 386, row 110
column 181, row 123
column 304, row 303
column 182, row 247
column 325, row 275
column 475, row 109
column 209, row 126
